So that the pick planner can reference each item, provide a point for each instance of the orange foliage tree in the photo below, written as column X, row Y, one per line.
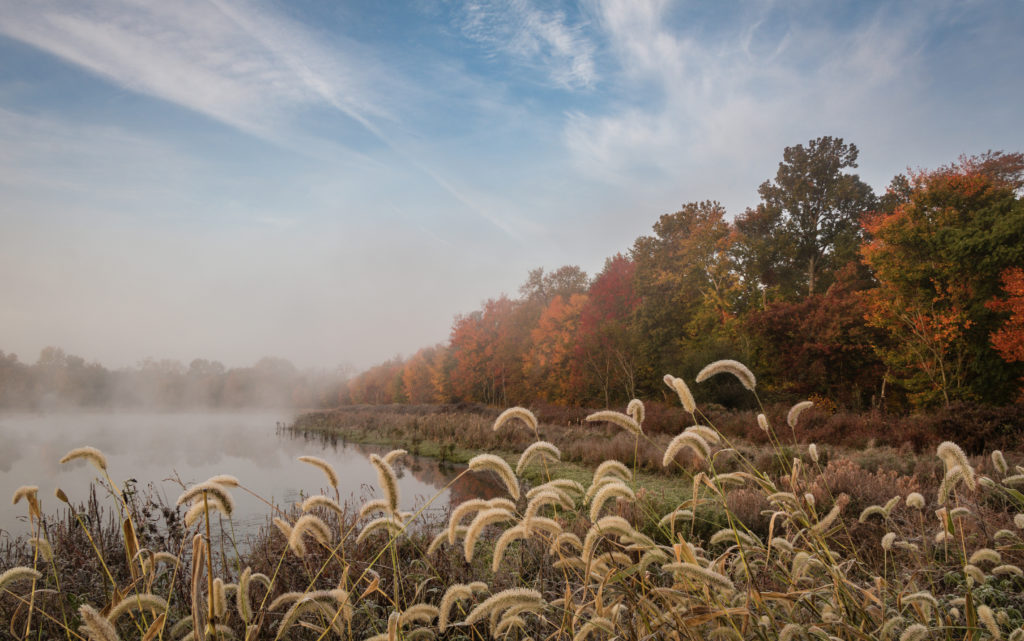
column 1009, row 338
column 937, row 254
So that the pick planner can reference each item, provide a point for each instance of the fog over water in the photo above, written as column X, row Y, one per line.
column 160, row 449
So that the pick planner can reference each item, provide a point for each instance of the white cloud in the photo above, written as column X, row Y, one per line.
column 692, row 103
column 540, row 40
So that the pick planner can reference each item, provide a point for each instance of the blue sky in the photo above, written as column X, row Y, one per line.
column 331, row 182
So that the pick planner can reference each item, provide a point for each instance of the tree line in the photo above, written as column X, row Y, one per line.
column 907, row 300
column 58, row 380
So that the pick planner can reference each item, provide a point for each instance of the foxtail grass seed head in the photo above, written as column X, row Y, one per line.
column 31, row 495
column 812, row 449
column 622, row 420
column 90, row 454
column 513, row 413
column 683, row 391
column 499, row 466
column 388, row 482
column 953, row 456
column 391, row 457
column 61, row 496
column 701, row 575
column 224, row 479
column 610, row 490
column 612, row 468
column 538, row 450
column 137, row 602
column 988, row 619
column 888, row 540
column 794, row 412
column 762, row 422
column 635, row 410
column 16, row 574
column 504, row 600
column 195, row 493
column 736, row 368
column 487, row 517
column 689, row 440
column 915, row 500
column 455, row 593
column 95, row 626
column 43, row 547
column 915, row 632
column 319, row 500
column 323, row 466
column 999, row 462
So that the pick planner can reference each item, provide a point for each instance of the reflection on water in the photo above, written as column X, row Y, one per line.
column 163, row 451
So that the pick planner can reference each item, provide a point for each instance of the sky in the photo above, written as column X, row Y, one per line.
column 332, row 182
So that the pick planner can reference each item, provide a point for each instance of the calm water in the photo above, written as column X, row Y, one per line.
column 157, row 449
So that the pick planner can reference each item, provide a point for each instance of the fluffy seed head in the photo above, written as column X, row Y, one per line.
column 635, row 409
column 687, row 439
column 319, row 500
column 541, row 450
column 96, row 626
column 482, row 520
column 520, row 413
column 794, row 412
column 196, row 492
column 681, row 389
column 498, row 465
column 915, row 500
column 612, row 468
column 393, row 456
column 388, row 482
column 91, row 454
column 888, row 540
column 504, row 600
column 916, row 632
column 30, row 494
column 762, row 422
column 622, row 420
column 18, row 574
column 736, row 368
column 324, row 466
column 812, row 449
column 618, row 489
column 999, row 462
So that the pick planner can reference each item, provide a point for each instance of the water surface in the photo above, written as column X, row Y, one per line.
column 159, row 452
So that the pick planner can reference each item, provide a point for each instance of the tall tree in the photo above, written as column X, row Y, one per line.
column 687, row 287
column 816, row 207
column 606, row 355
column 938, row 256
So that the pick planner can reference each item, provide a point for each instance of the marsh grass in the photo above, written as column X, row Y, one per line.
column 773, row 541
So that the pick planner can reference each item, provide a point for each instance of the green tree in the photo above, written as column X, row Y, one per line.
column 808, row 223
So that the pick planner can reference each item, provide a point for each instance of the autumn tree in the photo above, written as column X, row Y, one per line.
column 937, row 256
column 687, row 285
column 1009, row 338
column 607, row 359
column 487, row 348
column 808, row 222
column 821, row 345
column 549, row 365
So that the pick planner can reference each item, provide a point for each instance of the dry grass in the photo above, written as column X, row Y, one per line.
column 770, row 543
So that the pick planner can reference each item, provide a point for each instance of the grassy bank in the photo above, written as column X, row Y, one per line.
column 594, row 537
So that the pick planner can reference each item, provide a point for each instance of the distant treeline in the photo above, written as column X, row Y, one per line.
column 909, row 299
column 58, row 380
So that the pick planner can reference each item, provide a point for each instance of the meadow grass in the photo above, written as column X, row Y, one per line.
column 783, row 541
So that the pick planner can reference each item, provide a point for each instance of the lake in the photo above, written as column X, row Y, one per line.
column 159, row 450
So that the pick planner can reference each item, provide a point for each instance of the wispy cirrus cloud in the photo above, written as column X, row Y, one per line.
column 693, row 99
column 544, row 41
column 241, row 64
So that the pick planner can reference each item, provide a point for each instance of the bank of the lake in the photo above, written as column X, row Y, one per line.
column 456, row 433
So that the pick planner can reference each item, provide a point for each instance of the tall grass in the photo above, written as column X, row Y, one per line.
column 783, row 545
